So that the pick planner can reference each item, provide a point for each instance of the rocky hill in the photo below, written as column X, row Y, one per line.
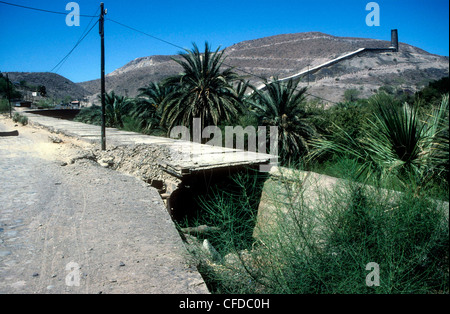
column 57, row 86
column 280, row 56
column 134, row 75
column 284, row 55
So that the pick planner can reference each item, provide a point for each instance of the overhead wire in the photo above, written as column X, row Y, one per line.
column 63, row 60
column 84, row 34
column 82, row 37
column 41, row 10
column 234, row 67
column 146, row 34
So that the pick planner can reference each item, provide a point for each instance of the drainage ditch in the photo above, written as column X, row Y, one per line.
column 186, row 196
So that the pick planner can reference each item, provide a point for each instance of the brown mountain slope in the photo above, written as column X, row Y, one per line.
column 285, row 55
column 134, row 75
column 57, row 86
column 279, row 56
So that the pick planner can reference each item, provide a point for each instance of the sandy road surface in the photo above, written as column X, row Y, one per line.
column 81, row 228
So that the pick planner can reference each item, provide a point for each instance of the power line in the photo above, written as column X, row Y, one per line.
column 60, row 63
column 41, row 10
column 234, row 67
column 83, row 35
column 146, row 34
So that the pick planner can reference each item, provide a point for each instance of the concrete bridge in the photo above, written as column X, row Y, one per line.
column 184, row 163
column 187, row 157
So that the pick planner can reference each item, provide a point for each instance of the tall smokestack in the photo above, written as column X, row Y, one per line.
column 394, row 40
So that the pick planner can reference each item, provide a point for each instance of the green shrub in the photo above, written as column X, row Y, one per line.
column 321, row 240
column 235, row 216
column 399, row 143
column 90, row 115
column 351, row 94
column 133, row 124
column 46, row 103
column 18, row 118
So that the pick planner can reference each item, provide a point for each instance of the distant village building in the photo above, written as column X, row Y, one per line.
column 24, row 103
column 75, row 104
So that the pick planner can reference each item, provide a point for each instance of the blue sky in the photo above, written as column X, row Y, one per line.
column 34, row 41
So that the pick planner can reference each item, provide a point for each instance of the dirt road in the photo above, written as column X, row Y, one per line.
column 81, row 228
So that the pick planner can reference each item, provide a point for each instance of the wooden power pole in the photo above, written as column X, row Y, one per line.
column 8, row 92
column 103, row 92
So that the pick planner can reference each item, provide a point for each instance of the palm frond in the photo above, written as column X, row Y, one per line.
column 203, row 90
column 282, row 104
column 397, row 143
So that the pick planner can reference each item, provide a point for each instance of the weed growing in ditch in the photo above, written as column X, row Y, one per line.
column 313, row 236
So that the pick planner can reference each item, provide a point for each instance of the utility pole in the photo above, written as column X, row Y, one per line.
column 103, row 92
column 9, row 95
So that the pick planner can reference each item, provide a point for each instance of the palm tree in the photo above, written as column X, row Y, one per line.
column 148, row 108
column 116, row 108
column 282, row 105
column 203, row 90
